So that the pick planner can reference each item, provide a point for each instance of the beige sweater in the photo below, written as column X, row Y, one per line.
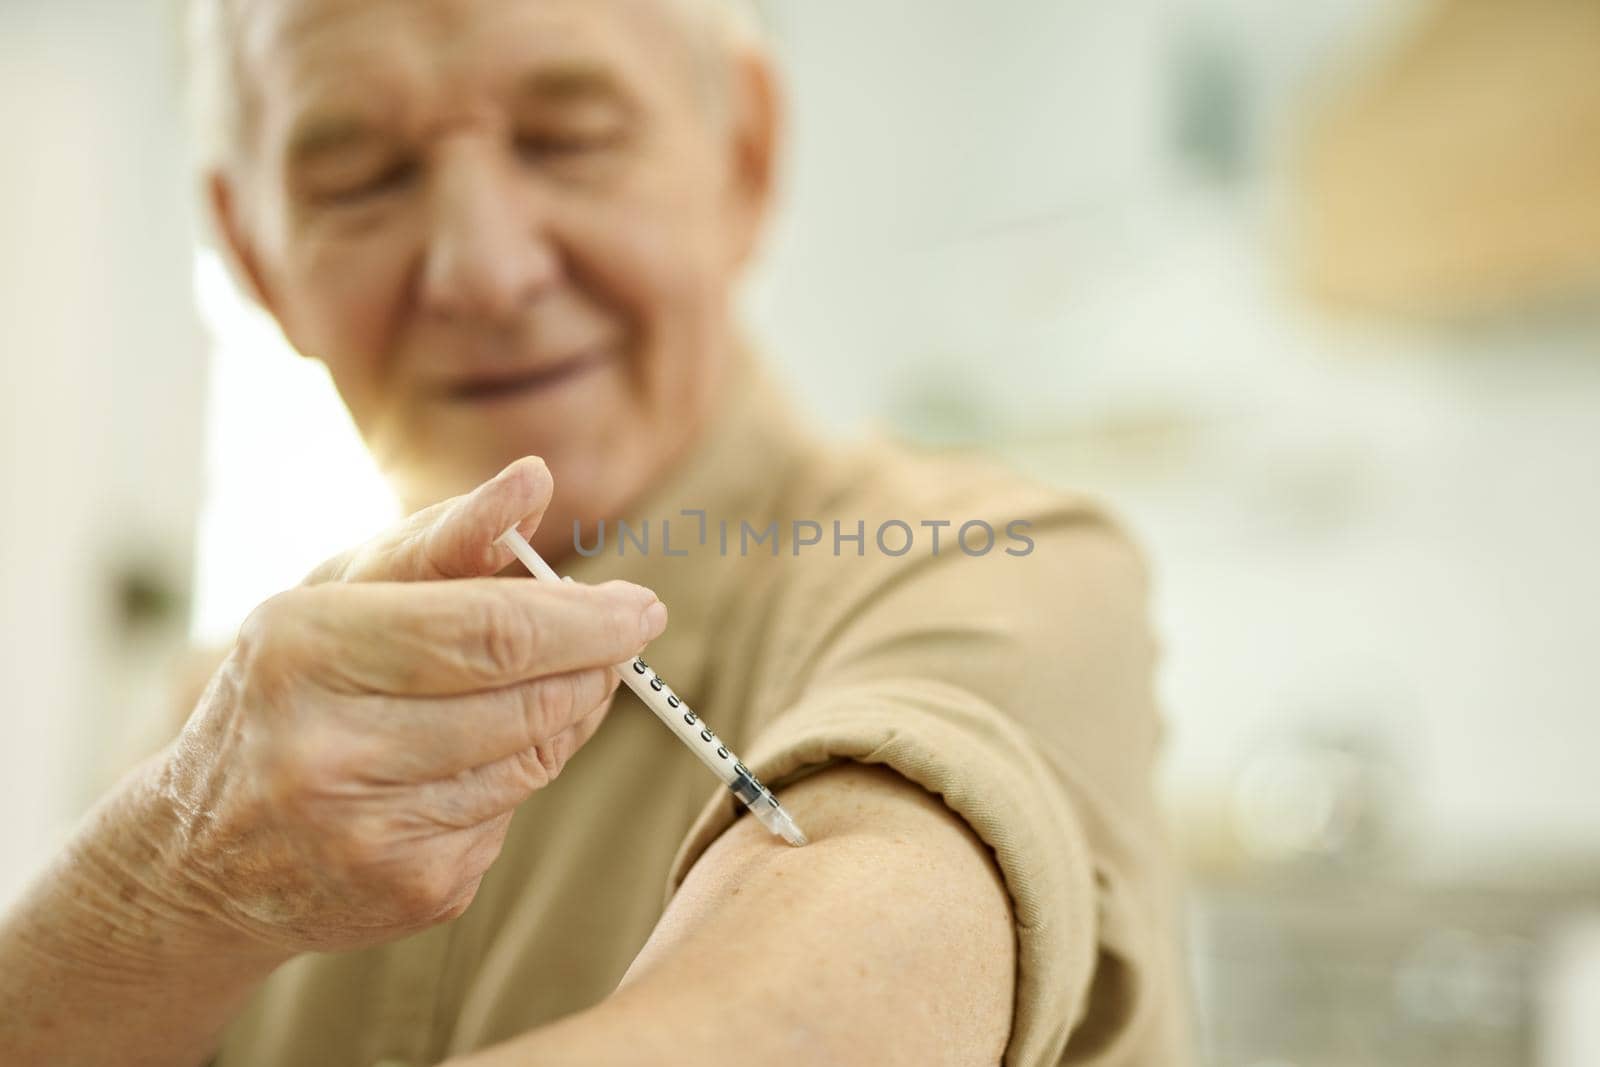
column 1015, row 686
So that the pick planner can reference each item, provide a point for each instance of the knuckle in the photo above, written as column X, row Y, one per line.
column 529, row 771
column 590, row 724
column 428, row 893
column 458, row 907
column 274, row 642
column 550, row 704
column 262, row 621
column 262, row 635
column 508, row 639
column 595, row 686
column 577, row 698
column 552, row 757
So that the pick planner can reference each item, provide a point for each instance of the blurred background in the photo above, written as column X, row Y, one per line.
column 1309, row 292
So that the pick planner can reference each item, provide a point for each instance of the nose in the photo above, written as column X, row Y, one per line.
column 486, row 256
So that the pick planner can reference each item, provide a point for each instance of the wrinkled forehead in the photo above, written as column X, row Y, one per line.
column 300, row 55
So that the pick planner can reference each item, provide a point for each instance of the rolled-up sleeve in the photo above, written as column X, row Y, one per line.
column 1019, row 690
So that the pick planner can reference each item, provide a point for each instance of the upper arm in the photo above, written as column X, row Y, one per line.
column 888, row 940
column 1019, row 692
column 894, row 922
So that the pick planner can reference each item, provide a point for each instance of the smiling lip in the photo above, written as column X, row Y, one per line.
column 500, row 387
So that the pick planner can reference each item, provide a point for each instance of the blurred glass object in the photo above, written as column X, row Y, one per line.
column 1312, row 799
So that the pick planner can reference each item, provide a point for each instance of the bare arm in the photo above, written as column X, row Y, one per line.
column 100, row 967
column 888, row 940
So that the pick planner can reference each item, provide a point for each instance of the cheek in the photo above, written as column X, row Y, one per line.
column 341, row 301
column 655, row 264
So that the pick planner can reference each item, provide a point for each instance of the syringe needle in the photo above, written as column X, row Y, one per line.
column 681, row 719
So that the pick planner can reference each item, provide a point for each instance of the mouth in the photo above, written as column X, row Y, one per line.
column 484, row 389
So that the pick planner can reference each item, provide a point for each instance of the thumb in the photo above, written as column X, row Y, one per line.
column 455, row 538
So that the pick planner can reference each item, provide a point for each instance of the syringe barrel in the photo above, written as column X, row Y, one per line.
column 682, row 720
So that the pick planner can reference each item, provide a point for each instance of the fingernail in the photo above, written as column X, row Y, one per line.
column 653, row 621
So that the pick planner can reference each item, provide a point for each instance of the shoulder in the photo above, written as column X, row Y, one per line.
column 883, row 509
column 879, row 474
column 949, row 566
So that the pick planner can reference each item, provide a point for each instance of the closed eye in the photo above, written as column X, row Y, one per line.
column 392, row 178
column 536, row 148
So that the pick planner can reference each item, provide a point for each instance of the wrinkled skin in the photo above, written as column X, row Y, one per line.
column 349, row 774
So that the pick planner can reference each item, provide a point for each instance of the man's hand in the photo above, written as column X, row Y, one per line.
column 346, row 778
column 351, row 771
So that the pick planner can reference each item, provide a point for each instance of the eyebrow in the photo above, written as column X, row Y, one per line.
column 572, row 83
column 567, row 84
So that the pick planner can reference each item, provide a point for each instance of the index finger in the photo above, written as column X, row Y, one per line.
column 451, row 637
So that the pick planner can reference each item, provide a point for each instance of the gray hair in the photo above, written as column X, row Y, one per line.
column 216, row 94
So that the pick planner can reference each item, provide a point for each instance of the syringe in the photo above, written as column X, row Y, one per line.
column 637, row 675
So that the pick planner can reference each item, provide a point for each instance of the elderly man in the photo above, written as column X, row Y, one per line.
column 510, row 229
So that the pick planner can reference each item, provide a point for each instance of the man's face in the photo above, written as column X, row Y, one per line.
column 508, row 227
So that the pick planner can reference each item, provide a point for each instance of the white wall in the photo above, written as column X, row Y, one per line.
column 101, row 380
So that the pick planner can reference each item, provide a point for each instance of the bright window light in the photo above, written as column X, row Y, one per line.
column 288, row 481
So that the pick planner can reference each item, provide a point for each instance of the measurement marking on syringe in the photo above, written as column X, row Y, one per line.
column 657, row 696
